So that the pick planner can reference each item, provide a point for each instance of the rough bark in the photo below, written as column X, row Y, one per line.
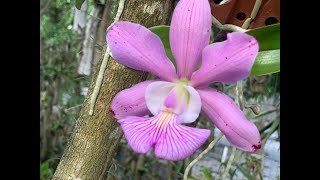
column 91, row 147
column 89, row 41
column 101, row 34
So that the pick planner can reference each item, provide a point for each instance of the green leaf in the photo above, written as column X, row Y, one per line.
column 178, row 167
column 79, row 4
column 267, row 62
column 170, row 56
column 45, row 171
column 245, row 172
column 206, row 173
column 232, row 173
column 163, row 32
column 267, row 36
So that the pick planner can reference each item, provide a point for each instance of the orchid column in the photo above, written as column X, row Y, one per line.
column 180, row 94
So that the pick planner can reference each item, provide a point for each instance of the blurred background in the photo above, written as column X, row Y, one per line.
column 71, row 43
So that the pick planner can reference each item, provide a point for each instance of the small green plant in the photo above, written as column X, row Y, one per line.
column 45, row 171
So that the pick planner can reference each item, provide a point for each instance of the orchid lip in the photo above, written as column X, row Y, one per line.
column 170, row 139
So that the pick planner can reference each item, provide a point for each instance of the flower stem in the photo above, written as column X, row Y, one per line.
column 239, row 93
column 210, row 146
column 230, row 161
column 265, row 113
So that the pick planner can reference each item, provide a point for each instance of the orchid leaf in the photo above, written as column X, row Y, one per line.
column 267, row 36
column 267, row 62
column 163, row 32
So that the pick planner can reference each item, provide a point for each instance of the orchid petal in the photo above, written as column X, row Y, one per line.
column 189, row 33
column 137, row 47
column 155, row 95
column 224, row 113
column 193, row 108
column 131, row 101
column 228, row 61
column 139, row 132
column 179, row 142
column 172, row 141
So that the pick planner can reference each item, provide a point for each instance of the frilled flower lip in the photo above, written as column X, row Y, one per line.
column 229, row 61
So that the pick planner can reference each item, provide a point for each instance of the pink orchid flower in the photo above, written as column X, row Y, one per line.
column 179, row 97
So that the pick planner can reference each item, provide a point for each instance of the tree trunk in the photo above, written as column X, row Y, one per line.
column 79, row 20
column 101, row 34
column 89, row 41
column 89, row 152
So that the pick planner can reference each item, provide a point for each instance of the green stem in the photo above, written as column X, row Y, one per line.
column 230, row 161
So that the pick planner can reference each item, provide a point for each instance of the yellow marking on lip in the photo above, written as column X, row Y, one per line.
column 163, row 120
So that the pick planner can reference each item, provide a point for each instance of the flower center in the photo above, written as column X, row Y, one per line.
column 177, row 99
column 183, row 82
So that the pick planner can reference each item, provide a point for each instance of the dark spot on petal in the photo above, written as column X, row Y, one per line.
column 208, row 30
column 115, row 42
column 226, row 57
column 112, row 112
column 256, row 147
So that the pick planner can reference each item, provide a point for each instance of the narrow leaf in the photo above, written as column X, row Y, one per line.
column 245, row 172
column 206, row 173
column 267, row 62
column 267, row 36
